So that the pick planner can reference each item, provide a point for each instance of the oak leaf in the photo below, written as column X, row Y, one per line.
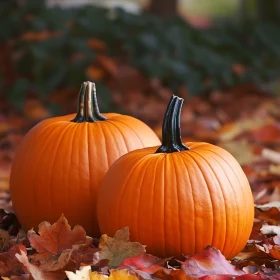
column 118, row 248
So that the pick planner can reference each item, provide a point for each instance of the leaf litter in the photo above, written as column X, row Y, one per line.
column 243, row 119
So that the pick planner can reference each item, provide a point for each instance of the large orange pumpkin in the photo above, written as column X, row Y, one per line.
column 62, row 160
column 177, row 198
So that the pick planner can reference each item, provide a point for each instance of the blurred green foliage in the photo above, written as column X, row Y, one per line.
column 171, row 50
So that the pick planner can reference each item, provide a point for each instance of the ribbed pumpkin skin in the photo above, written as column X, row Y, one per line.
column 178, row 203
column 60, row 164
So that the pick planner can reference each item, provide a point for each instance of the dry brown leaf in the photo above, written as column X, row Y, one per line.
column 35, row 270
column 57, row 237
column 118, row 248
column 9, row 264
column 270, row 215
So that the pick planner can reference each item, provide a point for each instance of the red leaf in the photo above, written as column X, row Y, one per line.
column 209, row 262
column 233, row 277
column 144, row 262
column 267, row 134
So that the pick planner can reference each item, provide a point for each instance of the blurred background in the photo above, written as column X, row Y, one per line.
column 221, row 56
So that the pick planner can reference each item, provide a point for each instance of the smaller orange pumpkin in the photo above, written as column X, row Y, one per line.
column 178, row 198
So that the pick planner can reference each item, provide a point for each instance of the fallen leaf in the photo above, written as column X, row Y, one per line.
column 256, row 234
column 144, row 265
column 57, row 237
column 267, row 134
column 241, row 150
column 269, row 229
column 210, row 261
column 35, row 270
column 271, row 155
column 118, row 248
column 174, row 274
column 267, row 214
column 85, row 273
column 231, row 130
column 275, row 252
column 22, row 277
column 144, row 262
column 9, row 265
column 233, row 277
column 58, row 248
column 7, row 241
column 49, row 262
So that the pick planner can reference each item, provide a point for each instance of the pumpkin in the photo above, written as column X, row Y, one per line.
column 62, row 160
column 178, row 198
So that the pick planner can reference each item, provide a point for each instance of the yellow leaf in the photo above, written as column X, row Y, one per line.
column 85, row 273
column 121, row 275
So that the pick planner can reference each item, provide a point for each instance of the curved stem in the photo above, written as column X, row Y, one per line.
column 88, row 110
column 179, row 142
column 171, row 132
column 80, row 117
column 165, row 135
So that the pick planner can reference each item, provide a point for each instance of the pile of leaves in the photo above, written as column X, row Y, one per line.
column 44, row 51
column 57, row 251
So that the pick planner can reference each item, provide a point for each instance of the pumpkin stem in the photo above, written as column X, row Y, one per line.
column 88, row 110
column 171, row 131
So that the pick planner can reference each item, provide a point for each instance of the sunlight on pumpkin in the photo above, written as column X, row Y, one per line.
column 85, row 273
